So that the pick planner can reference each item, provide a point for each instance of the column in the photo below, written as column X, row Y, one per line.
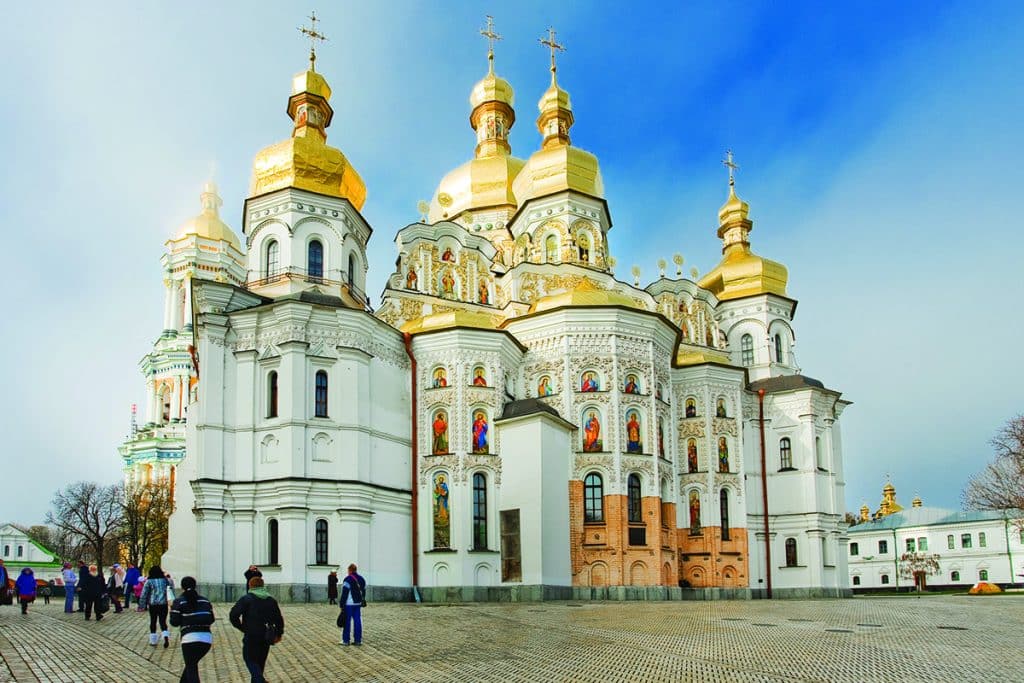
column 168, row 303
column 175, row 305
column 150, row 403
column 175, row 413
column 187, row 284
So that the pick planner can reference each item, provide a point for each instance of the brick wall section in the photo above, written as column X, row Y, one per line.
column 601, row 554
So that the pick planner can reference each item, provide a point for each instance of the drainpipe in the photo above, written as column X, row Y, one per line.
column 896, row 560
column 407, row 338
column 764, row 496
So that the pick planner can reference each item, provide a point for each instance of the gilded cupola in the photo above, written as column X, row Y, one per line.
column 557, row 165
column 741, row 272
column 305, row 161
column 208, row 223
column 485, row 181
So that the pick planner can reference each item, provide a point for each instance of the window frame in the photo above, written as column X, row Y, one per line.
column 723, row 512
column 854, row 549
column 778, row 349
column 479, row 511
column 791, row 553
column 321, row 394
column 321, row 542
column 272, row 265
column 982, row 575
column 883, row 547
column 982, row 540
column 747, row 350
column 966, row 541
column 785, row 453
column 593, row 498
column 272, row 394
column 634, row 497
column 273, row 542
column 318, row 261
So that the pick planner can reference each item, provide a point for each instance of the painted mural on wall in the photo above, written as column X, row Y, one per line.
column 440, row 378
column 442, row 520
column 592, row 433
column 479, row 380
column 691, row 408
column 480, row 432
column 723, row 455
column 544, row 387
column 694, row 512
column 589, row 382
column 634, row 442
column 691, row 455
column 632, row 385
column 440, row 429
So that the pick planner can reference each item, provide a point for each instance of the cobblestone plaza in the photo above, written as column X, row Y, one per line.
column 935, row 638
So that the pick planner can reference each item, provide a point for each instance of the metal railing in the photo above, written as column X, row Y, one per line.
column 320, row 278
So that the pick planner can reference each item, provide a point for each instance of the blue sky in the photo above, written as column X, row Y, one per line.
column 879, row 145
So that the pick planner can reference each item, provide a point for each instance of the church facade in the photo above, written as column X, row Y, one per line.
column 512, row 421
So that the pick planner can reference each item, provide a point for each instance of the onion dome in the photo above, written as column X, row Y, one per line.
column 484, row 182
column 305, row 161
column 208, row 224
column 557, row 165
column 741, row 272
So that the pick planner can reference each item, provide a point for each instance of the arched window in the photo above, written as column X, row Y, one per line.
column 954, row 576
column 791, row 552
column 633, row 486
column 272, row 394
column 21, row 551
column 885, row 579
column 352, row 269
column 7, row 551
column 315, row 260
column 593, row 498
column 273, row 258
column 747, row 350
column 479, row 512
column 723, row 505
column 950, row 542
column 583, row 244
column 779, row 358
column 856, row 581
column 551, row 248
column 272, row 542
column 321, row 393
column 321, row 541
column 785, row 454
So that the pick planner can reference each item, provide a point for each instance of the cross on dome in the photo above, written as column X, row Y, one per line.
column 488, row 33
column 313, row 36
column 732, row 166
column 552, row 45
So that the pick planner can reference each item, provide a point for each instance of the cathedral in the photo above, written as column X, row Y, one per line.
column 512, row 421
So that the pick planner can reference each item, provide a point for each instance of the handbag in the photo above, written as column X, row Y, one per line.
column 271, row 634
column 104, row 605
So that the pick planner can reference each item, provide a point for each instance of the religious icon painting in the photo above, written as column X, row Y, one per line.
column 691, row 407
column 440, row 378
column 592, row 442
column 544, row 387
column 480, row 429
column 439, row 427
column 723, row 455
column 634, row 441
column 632, row 384
column 589, row 382
column 694, row 511
column 720, row 408
column 479, row 378
column 691, row 455
column 442, row 519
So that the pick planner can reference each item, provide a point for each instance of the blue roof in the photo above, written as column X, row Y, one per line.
column 930, row 516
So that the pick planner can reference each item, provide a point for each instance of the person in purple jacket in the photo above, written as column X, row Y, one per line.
column 26, row 588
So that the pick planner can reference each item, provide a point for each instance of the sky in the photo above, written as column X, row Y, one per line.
column 879, row 147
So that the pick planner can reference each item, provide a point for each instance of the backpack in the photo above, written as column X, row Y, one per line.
column 356, row 590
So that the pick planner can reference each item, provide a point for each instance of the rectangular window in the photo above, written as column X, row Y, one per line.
column 885, row 578
column 854, row 549
column 951, row 542
column 883, row 547
column 922, row 545
column 856, row 581
column 910, row 545
column 511, row 555
column 479, row 512
column 321, row 541
column 965, row 540
column 638, row 535
column 981, row 540
column 21, row 550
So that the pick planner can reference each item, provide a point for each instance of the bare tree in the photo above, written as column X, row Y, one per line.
column 89, row 516
column 918, row 567
column 146, row 510
column 1000, row 486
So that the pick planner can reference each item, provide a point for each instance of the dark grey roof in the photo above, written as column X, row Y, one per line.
column 785, row 383
column 526, row 406
column 311, row 296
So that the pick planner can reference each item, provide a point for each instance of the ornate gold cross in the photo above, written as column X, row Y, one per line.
column 733, row 167
column 491, row 36
column 549, row 41
column 313, row 36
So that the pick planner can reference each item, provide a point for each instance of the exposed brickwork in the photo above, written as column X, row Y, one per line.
column 706, row 561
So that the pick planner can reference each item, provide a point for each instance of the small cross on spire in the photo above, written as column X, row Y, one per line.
column 733, row 167
column 313, row 36
column 549, row 41
column 488, row 33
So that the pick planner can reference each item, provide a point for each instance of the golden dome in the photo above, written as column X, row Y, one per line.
column 208, row 224
column 741, row 272
column 584, row 294
column 450, row 319
column 305, row 161
column 557, row 165
column 686, row 357
column 484, row 182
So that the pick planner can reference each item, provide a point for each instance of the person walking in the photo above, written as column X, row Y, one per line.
column 258, row 617
column 252, row 571
column 83, row 576
column 194, row 614
column 6, row 590
column 154, row 598
column 353, row 599
column 115, row 586
column 70, row 578
column 131, row 577
column 26, row 588
column 332, row 588
column 91, row 590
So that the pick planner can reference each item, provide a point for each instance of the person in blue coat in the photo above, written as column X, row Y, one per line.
column 131, row 578
column 26, row 588
column 353, row 599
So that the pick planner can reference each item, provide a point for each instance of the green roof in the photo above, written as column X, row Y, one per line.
column 930, row 516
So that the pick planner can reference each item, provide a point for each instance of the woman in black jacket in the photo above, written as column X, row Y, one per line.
column 252, row 615
column 194, row 614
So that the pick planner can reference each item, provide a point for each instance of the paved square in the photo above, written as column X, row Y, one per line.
column 940, row 638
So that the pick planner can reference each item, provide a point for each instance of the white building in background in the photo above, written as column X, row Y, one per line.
column 513, row 420
column 971, row 546
column 17, row 551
